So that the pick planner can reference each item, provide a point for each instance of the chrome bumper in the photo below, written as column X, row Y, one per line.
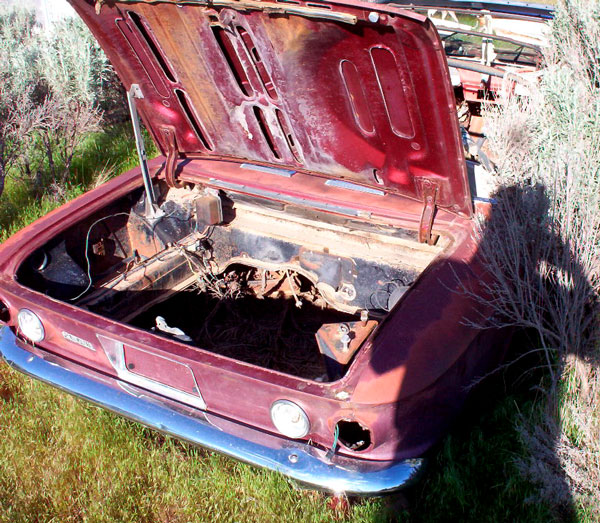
column 306, row 464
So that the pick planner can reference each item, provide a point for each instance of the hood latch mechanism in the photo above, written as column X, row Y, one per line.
column 429, row 191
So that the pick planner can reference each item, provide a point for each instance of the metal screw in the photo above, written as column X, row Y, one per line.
column 347, row 292
column 293, row 458
column 345, row 339
column 364, row 316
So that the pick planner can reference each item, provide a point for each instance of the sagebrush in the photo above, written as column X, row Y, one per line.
column 53, row 91
column 542, row 244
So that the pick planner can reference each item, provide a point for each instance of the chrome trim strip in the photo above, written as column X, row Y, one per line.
column 338, row 209
column 299, row 461
column 287, row 173
column 354, row 187
column 115, row 352
column 493, row 201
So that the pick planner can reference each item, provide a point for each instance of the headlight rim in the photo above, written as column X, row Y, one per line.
column 284, row 429
column 25, row 332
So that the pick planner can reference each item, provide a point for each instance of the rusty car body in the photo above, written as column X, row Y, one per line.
column 285, row 283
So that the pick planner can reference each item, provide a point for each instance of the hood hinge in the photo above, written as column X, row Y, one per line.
column 172, row 156
column 429, row 191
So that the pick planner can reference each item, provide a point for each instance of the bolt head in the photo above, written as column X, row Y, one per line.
column 373, row 17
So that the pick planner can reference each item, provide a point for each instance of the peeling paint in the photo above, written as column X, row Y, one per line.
column 239, row 116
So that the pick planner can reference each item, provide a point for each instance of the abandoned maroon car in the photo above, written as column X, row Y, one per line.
column 285, row 283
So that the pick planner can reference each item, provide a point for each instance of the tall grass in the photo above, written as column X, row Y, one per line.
column 100, row 156
column 65, row 460
column 62, row 459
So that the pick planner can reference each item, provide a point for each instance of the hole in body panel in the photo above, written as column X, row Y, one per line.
column 289, row 136
column 233, row 60
column 263, row 74
column 192, row 119
column 354, row 435
column 152, row 45
column 377, row 177
column 266, row 131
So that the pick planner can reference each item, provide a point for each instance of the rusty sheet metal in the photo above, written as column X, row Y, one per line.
column 249, row 5
column 169, row 137
column 340, row 341
column 430, row 191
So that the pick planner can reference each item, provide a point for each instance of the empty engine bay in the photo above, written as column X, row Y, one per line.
column 283, row 287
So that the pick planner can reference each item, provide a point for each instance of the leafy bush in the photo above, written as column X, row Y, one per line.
column 72, row 63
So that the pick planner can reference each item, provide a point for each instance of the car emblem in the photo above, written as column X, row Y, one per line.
column 78, row 340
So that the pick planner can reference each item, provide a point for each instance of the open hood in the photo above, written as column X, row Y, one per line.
column 346, row 90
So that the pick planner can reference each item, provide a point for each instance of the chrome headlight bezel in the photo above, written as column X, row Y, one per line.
column 290, row 419
column 31, row 326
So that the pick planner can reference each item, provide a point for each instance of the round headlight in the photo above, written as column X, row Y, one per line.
column 290, row 419
column 30, row 325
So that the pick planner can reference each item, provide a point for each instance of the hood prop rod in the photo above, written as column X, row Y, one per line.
column 152, row 212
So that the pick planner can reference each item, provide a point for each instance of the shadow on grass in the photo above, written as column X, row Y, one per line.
column 473, row 474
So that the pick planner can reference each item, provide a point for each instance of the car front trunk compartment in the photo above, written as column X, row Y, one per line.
column 272, row 284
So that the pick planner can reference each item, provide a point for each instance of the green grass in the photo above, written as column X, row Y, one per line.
column 103, row 155
column 473, row 476
column 108, row 153
column 64, row 460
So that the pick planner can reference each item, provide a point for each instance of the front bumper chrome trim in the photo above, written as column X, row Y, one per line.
column 306, row 464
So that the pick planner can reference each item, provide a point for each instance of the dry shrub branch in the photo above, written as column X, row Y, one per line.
column 53, row 92
column 542, row 243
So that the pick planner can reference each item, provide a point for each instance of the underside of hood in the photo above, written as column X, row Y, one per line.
column 351, row 91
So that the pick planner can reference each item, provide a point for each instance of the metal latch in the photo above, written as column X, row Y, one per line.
column 429, row 191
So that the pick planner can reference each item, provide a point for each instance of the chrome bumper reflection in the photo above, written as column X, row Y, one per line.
column 305, row 464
